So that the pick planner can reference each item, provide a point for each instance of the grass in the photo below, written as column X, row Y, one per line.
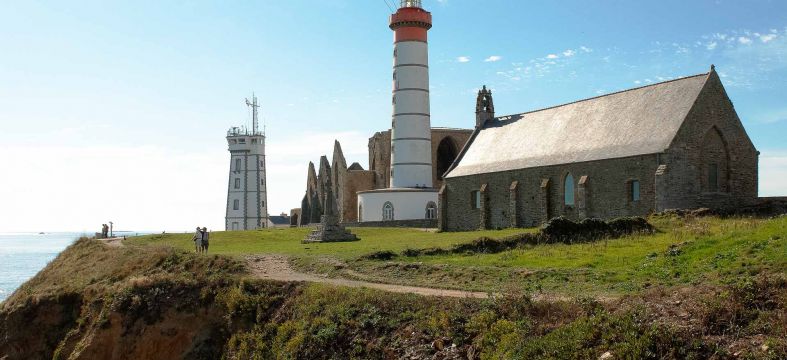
column 719, row 290
column 288, row 241
column 684, row 251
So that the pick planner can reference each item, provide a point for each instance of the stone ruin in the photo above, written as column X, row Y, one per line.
column 329, row 229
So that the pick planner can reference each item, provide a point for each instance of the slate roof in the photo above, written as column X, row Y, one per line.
column 632, row 122
column 279, row 220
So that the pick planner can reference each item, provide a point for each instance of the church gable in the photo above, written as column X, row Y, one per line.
column 628, row 123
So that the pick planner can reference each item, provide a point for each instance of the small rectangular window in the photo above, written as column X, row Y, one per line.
column 634, row 190
column 263, row 204
column 237, row 183
column 262, row 181
column 713, row 177
column 237, row 164
column 236, row 204
column 262, row 164
column 475, row 198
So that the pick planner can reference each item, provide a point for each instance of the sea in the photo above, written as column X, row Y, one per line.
column 22, row 255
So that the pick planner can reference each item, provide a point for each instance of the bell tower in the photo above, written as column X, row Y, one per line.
column 484, row 107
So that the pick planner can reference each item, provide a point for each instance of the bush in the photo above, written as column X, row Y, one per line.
column 380, row 255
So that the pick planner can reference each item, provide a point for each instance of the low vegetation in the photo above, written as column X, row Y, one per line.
column 694, row 287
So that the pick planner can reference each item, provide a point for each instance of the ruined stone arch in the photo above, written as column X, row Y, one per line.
column 714, row 173
column 447, row 152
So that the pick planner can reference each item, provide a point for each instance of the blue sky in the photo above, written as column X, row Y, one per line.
column 117, row 110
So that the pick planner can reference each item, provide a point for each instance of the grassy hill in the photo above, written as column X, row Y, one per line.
column 683, row 251
column 699, row 288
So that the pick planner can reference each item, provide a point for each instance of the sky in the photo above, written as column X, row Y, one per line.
column 118, row 110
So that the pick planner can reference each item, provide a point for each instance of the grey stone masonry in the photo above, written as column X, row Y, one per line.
column 484, row 215
column 673, row 145
column 329, row 230
column 512, row 208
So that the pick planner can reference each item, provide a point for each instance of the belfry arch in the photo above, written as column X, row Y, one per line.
column 446, row 154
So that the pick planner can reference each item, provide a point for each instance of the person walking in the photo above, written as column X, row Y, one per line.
column 205, row 236
column 197, row 238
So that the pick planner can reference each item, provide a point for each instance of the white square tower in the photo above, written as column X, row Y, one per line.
column 247, row 199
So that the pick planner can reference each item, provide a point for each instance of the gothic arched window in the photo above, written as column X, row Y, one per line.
column 388, row 211
column 568, row 190
column 431, row 210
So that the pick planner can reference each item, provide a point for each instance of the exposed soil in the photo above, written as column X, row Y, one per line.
column 276, row 267
column 113, row 242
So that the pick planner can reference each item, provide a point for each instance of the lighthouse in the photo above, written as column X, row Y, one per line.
column 410, row 195
column 411, row 139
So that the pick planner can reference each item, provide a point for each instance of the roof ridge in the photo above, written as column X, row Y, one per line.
column 601, row 96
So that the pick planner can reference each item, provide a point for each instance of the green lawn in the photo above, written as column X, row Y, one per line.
column 684, row 251
column 288, row 241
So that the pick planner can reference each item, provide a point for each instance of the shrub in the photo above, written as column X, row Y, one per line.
column 380, row 255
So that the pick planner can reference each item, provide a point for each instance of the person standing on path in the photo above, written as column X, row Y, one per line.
column 197, row 238
column 205, row 236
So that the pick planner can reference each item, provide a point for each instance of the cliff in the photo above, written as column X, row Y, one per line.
column 153, row 302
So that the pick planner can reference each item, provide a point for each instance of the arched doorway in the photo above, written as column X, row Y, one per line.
column 446, row 154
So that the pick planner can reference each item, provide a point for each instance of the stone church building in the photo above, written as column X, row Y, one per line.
column 675, row 144
column 334, row 180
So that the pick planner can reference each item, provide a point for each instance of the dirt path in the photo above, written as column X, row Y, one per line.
column 276, row 267
column 113, row 242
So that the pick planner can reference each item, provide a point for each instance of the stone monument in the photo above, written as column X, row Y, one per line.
column 329, row 229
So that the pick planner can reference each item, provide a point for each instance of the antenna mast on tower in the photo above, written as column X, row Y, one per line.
column 254, row 106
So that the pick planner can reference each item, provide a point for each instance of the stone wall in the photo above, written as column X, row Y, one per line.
column 711, row 136
column 420, row 223
column 355, row 181
column 528, row 197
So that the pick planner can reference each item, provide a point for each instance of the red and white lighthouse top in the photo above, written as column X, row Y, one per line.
column 410, row 22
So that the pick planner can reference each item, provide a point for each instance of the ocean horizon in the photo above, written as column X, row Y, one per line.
column 24, row 254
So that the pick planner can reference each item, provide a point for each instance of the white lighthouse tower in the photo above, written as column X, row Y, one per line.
column 247, row 199
column 410, row 194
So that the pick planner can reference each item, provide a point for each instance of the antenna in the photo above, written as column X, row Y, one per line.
column 254, row 106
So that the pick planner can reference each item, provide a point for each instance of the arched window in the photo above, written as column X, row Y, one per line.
column 431, row 210
column 568, row 190
column 388, row 211
column 715, row 159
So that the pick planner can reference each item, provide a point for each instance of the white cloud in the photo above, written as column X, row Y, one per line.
column 552, row 56
column 767, row 37
column 711, row 45
column 463, row 59
column 585, row 49
column 744, row 40
column 569, row 53
column 493, row 58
